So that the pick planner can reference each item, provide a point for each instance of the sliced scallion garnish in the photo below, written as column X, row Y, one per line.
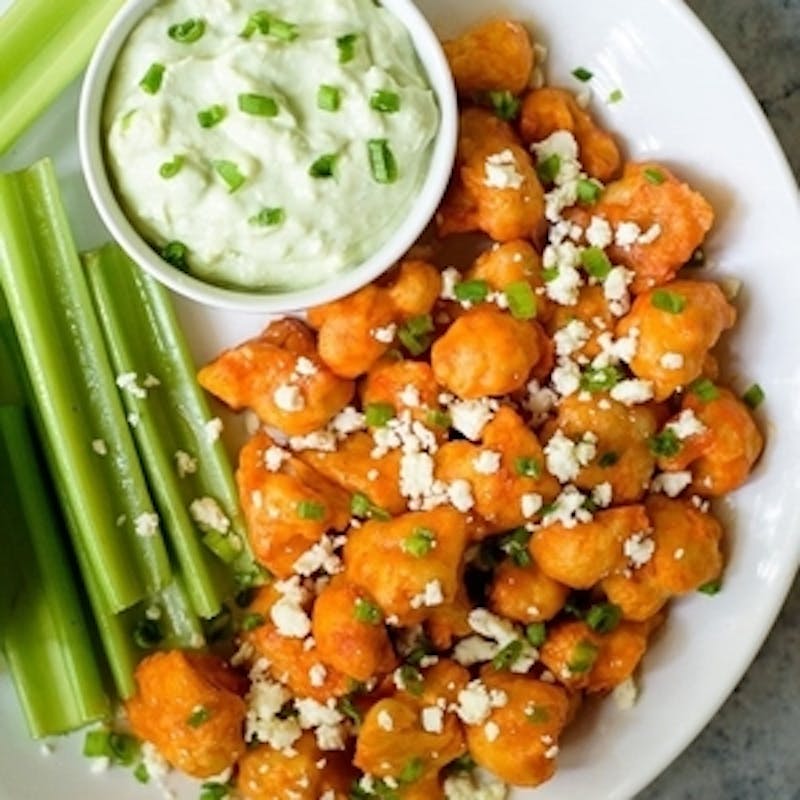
column 654, row 176
column 211, row 116
column 420, row 542
column 324, row 166
column 347, row 47
column 474, row 291
column 504, row 105
column 596, row 263
column 521, row 300
column 258, row 105
column 377, row 415
column 268, row 217
column 754, row 396
column 385, row 101
column 175, row 253
column 665, row 300
column 583, row 74
column 381, row 161
column 187, row 32
column 169, row 169
column 229, row 173
column 151, row 82
column 311, row 510
column 329, row 98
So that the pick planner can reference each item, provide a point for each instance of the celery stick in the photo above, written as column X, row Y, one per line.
column 44, row 45
column 46, row 641
column 144, row 338
column 73, row 386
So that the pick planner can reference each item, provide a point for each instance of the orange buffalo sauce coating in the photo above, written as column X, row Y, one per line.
column 267, row 375
column 525, row 593
column 190, row 706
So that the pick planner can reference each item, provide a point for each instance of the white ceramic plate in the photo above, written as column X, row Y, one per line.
column 685, row 104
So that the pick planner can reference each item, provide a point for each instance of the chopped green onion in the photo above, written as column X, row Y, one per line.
column 187, row 32
column 141, row 774
column 378, row 414
column 474, row 291
column 347, row 47
column 329, row 98
column 465, row 763
column 521, row 300
column 439, row 419
column 385, row 101
column 536, row 633
column 666, row 443
column 381, row 161
column 549, row 274
column 211, row 116
column 589, row 191
column 347, row 707
column 600, row 379
column 264, row 23
column 363, row 508
column 615, row 96
column 508, row 655
column 268, row 217
column 323, row 167
column 258, row 105
column 754, row 396
column 712, row 587
column 125, row 749
column 549, row 168
column 416, row 334
column 505, row 105
column 311, row 510
column 151, row 82
column 252, row 621
column 608, row 459
column 169, row 169
column 214, row 791
column 226, row 547
column 537, row 714
column 527, row 467
column 198, row 717
column 596, row 263
column 705, row 389
column 420, row 542
column 147, row 634
column 412, row 770
column 515, row 546
column 411, row 679
column 365, row 611
column 582, row 74
column 584, row 654
column 671, row 302
column 175, row 253
column 603, row 617
column 654, row 176
column 229, row 173
column 96, row 744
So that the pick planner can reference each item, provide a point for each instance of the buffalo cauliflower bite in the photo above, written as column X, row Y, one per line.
column 281, row 377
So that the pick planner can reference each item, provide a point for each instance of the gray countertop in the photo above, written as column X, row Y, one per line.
column 751, row 750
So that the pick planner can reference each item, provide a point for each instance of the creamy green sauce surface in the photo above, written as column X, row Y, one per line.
column 218, row 111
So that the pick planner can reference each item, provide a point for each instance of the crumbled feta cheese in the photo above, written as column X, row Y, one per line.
column 430, row 596
column 416, row 475
column 347, row 421
column 385, row 721
column 265, row 700
column 568, row 509
column 650, row 235
column 206, row 511
column 323, row 441
column 373, row 474
column 540, row 401
column 679, row 553
column 213, row 429
column 602, row 494
column 612, row 351
column 551, row 751
column 671, row 361
column 530, row 503
column 150, row 381
column 474, row 785
column 638, row 549
column 564, row 288
column 627, row 234
column 572, row 337
column 632, row 391
column 288, row 613
column 625, row 694
column 288, row 397
column 671, row 483
column 185, row 464
column 100, row 447
column 459, row 493
column 475, row 702
column 566, row 377
column 128, row 382
column 491, row 730
column 146, row 524
column 687, row 424
column 501, row 172
column 274, row 457
column 319, row 556
column 409, row 396
column 451, row 277
column 565, row 457
column 470, row 417
column 305, row 367
column 491, row 626
column 474, row 650
column 133, row 419
column 598, row 233
column 487, row 462
column 432, row 718
column 386, row 334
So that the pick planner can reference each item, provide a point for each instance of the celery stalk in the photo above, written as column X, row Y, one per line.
column 144, row 338
column 46, row 641
column 73, row 387
column 44, row 45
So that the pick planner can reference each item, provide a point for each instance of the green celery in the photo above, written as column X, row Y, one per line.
column 73, row 386
column 143, row 337
column 46, row 641
column 44, row 47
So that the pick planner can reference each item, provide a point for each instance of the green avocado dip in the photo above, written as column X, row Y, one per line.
column 268, row 146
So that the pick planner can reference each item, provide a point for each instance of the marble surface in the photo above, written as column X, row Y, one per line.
column 751, row 750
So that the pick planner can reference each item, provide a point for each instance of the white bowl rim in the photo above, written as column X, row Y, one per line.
column 434, row 62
